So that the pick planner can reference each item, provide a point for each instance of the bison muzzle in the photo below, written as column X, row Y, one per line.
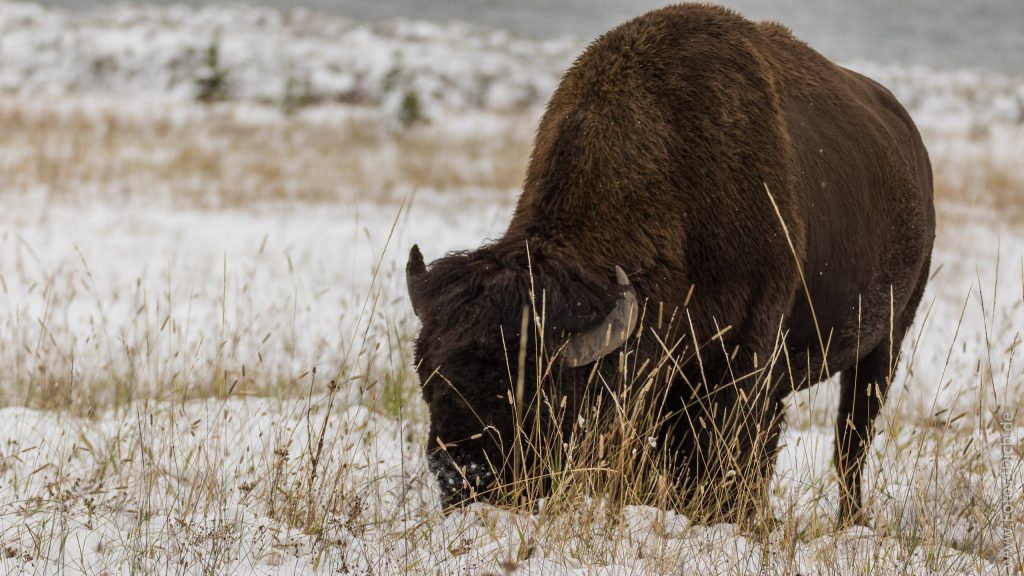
column 697, row 164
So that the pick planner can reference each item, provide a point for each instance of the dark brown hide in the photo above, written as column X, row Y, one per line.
column 699, row 150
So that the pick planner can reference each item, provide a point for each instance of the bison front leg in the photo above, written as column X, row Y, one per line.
column 731, row 457
column 862, row 394
column 759, row 433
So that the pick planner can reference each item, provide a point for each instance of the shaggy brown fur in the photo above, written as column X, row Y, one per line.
column 698, row 151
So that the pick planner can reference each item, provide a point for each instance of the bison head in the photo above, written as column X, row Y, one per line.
column 498, row 326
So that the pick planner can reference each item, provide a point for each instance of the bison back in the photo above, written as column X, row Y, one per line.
column 677, row 146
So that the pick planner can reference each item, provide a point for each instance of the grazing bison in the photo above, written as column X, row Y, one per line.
column 697, row 162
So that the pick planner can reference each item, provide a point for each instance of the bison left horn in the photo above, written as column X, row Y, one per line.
column 415, row 270
column 610, row 334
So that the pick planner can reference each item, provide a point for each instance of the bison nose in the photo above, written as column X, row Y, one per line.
column 460, row 485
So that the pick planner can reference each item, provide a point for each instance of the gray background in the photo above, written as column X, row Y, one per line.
column 977, row 34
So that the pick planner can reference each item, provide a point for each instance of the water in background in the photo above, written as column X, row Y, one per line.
column 976, row 34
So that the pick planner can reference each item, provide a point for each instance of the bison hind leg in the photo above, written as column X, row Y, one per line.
column 861, row 396
column 862, row 393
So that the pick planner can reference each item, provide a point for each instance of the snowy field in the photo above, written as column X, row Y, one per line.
column 205, row 341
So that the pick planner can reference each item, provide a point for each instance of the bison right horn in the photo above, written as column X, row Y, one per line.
column 610, row 334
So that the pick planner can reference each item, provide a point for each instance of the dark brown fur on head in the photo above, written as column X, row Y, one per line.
column 471, row 309
column 729, row 169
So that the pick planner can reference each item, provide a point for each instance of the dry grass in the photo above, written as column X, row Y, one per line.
column 985, row 183
column 224, row 156
column 316, row 476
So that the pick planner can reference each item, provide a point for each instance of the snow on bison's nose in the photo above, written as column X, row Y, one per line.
column 460, row 483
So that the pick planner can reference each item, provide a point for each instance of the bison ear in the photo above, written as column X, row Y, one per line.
column 415, row 272
column 611, row 333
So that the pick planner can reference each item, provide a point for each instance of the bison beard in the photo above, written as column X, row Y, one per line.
column 743, row 183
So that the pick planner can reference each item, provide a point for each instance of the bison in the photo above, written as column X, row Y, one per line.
column 695, row 162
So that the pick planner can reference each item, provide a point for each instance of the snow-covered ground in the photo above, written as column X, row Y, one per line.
column 181, row 284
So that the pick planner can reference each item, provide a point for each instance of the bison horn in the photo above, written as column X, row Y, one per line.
column 415, row 269
column 611, row 333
